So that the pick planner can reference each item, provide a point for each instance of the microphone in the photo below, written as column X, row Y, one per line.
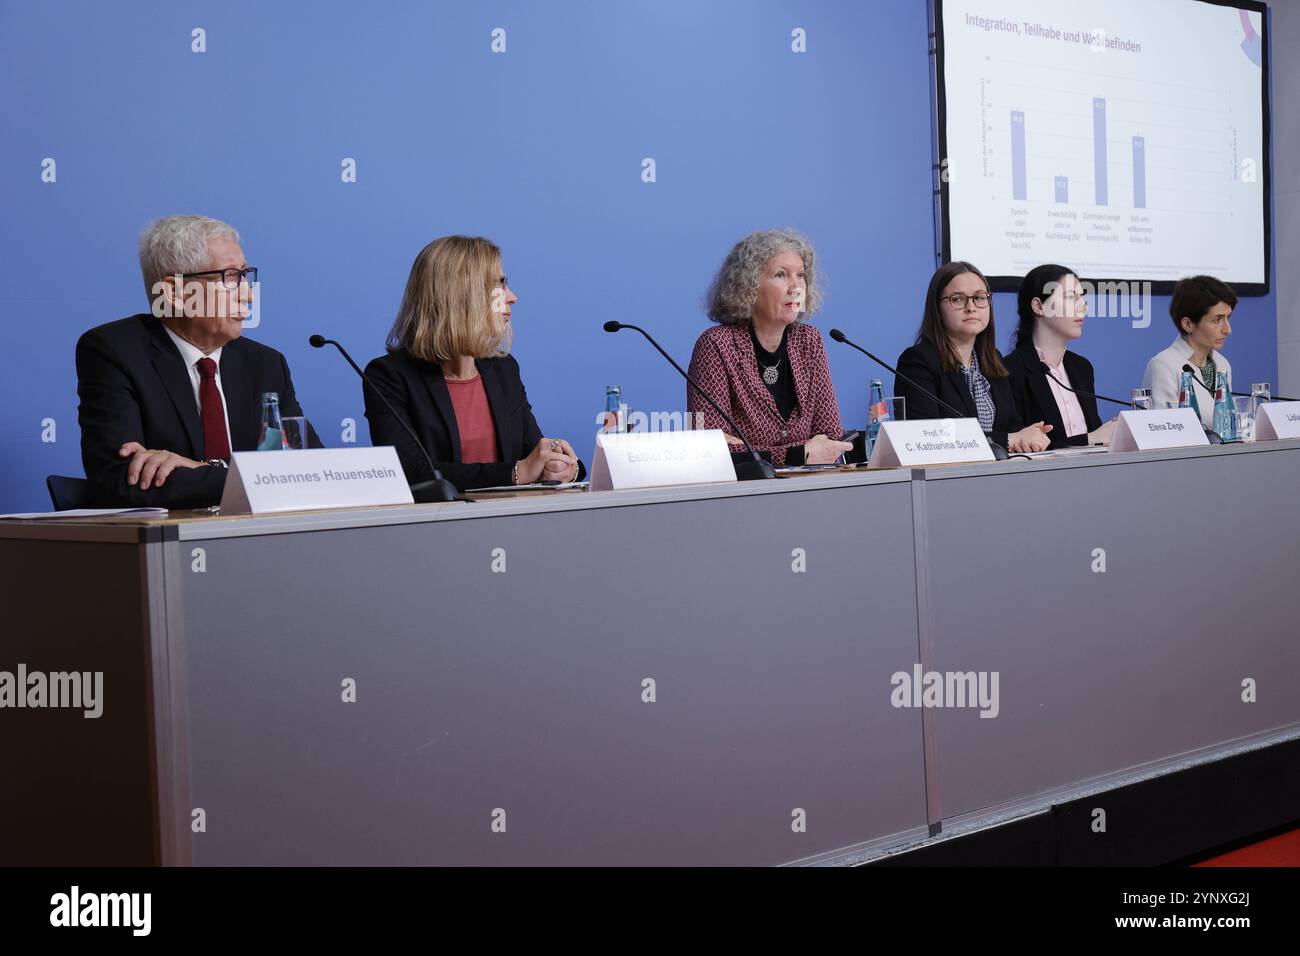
column 999, row 452
column 425, row 492
column 839, row 336
column 749, row 464
column 1196, row 378
column 1046, row 369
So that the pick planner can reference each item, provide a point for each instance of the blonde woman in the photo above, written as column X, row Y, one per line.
column 449, row 374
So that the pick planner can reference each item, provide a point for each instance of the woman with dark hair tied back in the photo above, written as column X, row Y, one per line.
column 955, row 358
column 1052, row 308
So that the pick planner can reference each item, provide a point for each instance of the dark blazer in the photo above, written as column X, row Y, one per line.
column 1033, row 393
column 921, row 364
column 418, row 391
column 134, row 386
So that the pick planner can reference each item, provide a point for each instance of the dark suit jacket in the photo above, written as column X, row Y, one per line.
column 1034, row 398
column 418, row 391
column 921, row 364
column 134, row 386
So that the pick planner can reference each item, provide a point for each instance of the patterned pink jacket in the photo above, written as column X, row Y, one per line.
column 725, row 366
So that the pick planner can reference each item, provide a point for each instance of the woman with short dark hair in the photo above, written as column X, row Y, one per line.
column 1199, row 308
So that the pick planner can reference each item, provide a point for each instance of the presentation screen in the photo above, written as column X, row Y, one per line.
column 1127, row 139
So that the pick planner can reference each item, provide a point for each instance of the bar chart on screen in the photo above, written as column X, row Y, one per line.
column 1104, row 145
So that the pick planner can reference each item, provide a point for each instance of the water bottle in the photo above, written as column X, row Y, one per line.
column 1187, row 394
column 1225, row 418
column 271, row 437
column 877, row 412
column 615, row 410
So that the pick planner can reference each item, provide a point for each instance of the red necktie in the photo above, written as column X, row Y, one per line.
column 215, row 442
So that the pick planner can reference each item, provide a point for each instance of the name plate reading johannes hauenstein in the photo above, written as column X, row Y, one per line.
column 1157, row 428
column 264, row 481
column 1276, row 420
column 929, row 441
column 651, row 459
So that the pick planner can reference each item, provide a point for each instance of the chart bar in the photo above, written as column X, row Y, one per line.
column 1099, row 147
column 1139, row 172
column 1018, row 155
column 1062, row 188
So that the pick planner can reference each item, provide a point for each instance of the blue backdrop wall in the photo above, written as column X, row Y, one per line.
column 539, row 147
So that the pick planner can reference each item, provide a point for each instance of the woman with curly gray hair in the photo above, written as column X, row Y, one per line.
column 762, row 363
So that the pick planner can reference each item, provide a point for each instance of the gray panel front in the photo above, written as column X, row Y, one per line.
column 522, row 691
column 1105, row 671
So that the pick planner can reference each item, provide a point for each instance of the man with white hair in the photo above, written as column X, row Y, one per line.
column 167, row 396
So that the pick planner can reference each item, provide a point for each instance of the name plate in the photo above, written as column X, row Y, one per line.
column 929, row 441
column 1157, row 428
column 1277, row 420
column 301, row 480
column 652, row 459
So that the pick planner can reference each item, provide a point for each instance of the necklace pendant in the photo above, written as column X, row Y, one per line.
column 770, row 375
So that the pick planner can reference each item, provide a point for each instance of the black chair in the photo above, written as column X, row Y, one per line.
column 68, row 493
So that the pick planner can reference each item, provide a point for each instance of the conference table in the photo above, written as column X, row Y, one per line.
column 719, row 674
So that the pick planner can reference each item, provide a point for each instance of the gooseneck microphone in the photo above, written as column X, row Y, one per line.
column 999, row 452
column 749, row 464
column 839, row 336
column 1047, row 370
column 424, row 492
column 1197, row 378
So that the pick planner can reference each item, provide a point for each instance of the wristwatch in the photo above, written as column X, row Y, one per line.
column 217, row 462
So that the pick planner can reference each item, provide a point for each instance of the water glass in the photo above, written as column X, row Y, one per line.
column 1260, row 392
column 1142, row 399
column 1244, row 409
column 294, row 432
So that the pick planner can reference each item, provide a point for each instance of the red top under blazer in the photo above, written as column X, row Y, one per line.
column 725, row 366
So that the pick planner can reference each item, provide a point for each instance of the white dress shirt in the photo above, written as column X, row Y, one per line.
column 190, row 355
column 1165, row 371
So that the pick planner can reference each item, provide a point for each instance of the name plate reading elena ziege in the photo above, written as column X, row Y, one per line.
column 301, row 480
column 929, row 441
column 1277, row 420
column 1157, row 428
column 652, row 459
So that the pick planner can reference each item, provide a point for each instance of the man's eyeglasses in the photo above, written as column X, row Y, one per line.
column 958, row 300
column 230, row 278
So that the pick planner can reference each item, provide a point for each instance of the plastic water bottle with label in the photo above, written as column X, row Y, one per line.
column 1225, row 419
column 615, row 409
column 1187, row 394
column 877, row 412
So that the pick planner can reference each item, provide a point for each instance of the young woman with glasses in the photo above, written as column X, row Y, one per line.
column 956, row 360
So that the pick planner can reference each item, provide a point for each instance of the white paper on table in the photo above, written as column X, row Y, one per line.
column 88, row 513
column 536, row 486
